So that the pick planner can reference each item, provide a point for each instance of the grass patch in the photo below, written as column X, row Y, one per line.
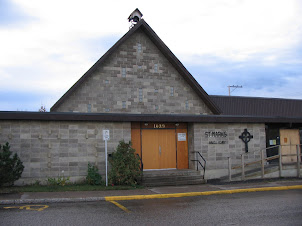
column 71, row 187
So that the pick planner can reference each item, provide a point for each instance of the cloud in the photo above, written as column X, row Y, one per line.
column 257, row 78
column 229, row 29
column 12, row 15
column 22, row 101
column 235, row 30
column 49, row 45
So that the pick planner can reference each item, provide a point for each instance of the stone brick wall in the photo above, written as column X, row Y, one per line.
column 227, row 146
column 107, row 90
column 48, row 148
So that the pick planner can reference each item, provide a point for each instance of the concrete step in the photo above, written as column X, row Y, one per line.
column 174, row 183
column 171, row 177
column 173, row 172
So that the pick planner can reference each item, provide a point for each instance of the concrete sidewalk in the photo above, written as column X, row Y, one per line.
column 88, row 196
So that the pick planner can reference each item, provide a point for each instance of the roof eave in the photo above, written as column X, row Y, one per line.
column 117, row 117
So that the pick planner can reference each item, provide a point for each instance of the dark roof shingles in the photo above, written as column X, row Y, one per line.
column 258, row 106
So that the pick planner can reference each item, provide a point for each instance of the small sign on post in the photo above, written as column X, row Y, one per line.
column 106, row 136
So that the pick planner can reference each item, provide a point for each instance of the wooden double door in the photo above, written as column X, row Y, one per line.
column 161, row 146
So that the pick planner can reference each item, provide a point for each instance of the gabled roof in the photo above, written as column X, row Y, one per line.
column 258, row 106
column 165, row 51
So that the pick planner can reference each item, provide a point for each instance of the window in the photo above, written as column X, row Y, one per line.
column 155, row 68
column 89, row 108
column 106, row 82
column 107, row 109
column 187, row 105
column 140, row 94
column 171, row 91
column 156, row 107
column 124, row 72
column 156, row 91
column 139, row 47
column 124, row 104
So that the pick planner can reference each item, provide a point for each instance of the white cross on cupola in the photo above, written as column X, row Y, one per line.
column 135, row 16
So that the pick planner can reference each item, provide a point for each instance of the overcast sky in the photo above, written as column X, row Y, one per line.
column 46, row 46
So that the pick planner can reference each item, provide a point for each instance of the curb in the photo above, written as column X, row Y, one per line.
column 190, row 194
column 52, row 200
column 137, row 197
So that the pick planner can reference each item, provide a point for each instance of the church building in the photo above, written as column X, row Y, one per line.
column 141, row 92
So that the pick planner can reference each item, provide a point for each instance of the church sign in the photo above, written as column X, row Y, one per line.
column 181, row 136
column 216, row 134
column 217, row 142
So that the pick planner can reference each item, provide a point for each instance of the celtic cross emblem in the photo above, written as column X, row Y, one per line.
column 246, row 137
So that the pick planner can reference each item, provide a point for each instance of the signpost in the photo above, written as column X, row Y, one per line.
column 106, row 136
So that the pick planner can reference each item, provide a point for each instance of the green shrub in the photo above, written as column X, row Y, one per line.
column 60, row 181
column 36, row 183
column 52, row 181
column 93, row 176
column 11, row 167
column 125, row 165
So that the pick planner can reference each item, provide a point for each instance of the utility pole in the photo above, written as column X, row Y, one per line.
column 235, row 87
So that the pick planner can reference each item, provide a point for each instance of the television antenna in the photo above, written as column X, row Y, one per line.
column 234, row 87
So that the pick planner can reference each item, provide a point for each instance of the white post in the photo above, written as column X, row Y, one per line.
column 106, row 163
column 230, row 169
column 106, row 136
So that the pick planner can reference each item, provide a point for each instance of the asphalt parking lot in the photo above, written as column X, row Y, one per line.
column 282, row 207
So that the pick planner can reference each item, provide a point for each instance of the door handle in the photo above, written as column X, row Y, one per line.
column 159, row 150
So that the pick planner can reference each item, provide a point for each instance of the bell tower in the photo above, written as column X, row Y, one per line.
column 135, row 17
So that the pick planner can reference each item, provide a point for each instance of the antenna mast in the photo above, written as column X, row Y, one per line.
column 235, row 87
